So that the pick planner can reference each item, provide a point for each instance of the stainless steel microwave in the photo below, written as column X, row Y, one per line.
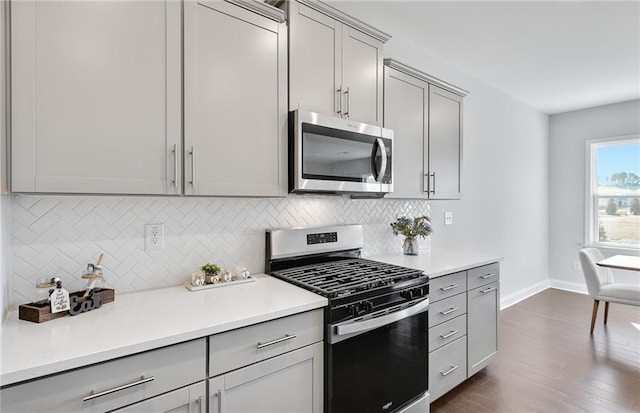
column 334, row 155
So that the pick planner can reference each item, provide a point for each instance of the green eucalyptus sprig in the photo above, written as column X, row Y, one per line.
column 412, row 228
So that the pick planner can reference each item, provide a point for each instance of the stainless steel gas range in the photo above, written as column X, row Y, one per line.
column 376, row 336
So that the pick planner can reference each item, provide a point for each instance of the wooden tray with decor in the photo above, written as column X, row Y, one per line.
column 40, row 311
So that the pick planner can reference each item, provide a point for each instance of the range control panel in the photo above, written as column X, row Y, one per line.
column 322, row 238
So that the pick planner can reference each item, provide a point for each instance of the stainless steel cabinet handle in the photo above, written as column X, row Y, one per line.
column 451, row 370
column 449, row 334
column 449, row 311
column 117, row 389
column 339, row 91
column 199, row 401
column 276, row 341
column 484, row 277
column 193, row 166
column 219, row 396
column 451, row 287
column 175, row 165
column 434, row 182
column 347, row 95
column 487, row 290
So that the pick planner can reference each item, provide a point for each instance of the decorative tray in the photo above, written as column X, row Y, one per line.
column 192, row 287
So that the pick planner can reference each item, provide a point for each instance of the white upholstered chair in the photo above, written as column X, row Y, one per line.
column 601, row 286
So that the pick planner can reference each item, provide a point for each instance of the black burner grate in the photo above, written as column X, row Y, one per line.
column 347, row 276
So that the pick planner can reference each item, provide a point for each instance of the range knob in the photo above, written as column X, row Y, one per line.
column 407, row 295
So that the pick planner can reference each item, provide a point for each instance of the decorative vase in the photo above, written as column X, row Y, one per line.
column 410, row 246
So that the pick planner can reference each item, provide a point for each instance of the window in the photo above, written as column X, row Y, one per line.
column 613, row 193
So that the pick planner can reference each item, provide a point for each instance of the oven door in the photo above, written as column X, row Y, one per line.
column 379, row 363
column 338, row 155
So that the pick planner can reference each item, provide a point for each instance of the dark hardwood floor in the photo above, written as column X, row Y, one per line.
column 548, row 362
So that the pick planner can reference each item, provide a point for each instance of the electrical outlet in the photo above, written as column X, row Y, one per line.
column 576, row 266
column 448, row 218
column 153, row 237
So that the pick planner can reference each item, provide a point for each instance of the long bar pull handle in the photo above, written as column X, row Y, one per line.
column 488, row 290
column 347, row 94
column 449, row 311
column 175, row 165
column 451, row 370
column 449, row 334
column 451, row 287
column 276, row 341
column 119, row 388
column 219, row 394
column 193, row 166
column 339, row 91
column 484, row 277
column 199, row 402
column 434, row 182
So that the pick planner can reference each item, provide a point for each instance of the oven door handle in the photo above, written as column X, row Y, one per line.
column 382, row 320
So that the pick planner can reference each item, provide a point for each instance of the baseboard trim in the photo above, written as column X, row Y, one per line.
column 513, row 298
column 568, row 286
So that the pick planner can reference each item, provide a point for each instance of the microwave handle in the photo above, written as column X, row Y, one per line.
column 383, row 168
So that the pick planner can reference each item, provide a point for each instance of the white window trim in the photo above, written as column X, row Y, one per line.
column 590, row 219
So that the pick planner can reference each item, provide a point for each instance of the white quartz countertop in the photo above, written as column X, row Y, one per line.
column 143, row 321
column 439, row 261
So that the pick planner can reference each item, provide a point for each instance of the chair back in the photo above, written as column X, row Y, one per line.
column 594, row 275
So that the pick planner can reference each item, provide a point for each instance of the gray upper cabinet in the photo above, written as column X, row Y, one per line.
column 335, row 63
column 96, row 97
column 235, row 113
column 426, row 116
column 406, row 103
column 443, row 157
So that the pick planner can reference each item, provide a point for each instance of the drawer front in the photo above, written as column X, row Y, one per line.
column 447, row 332
column 447, row 286
column 484, row 275
column 244, row 346
column 447, row 309
column 170, row 367
column 447, row 367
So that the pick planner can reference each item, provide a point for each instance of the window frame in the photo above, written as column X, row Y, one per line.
column 591, row 229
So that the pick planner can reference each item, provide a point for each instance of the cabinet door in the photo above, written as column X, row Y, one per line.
column 96, row 96
column 314, row 60
column 361, row 76
column 291, row 383
column 444, row 153
column 187, row 400
column 483, row 306
column 235, row 101
column 405, row 111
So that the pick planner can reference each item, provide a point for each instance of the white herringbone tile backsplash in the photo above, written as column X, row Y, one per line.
column 59, row 235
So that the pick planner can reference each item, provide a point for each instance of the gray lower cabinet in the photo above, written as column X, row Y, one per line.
column 276, row 366
column 190, row 399
column 463, row 326
column 115, row 384
column 291, row 382
column 426, row 116
column 483, row 306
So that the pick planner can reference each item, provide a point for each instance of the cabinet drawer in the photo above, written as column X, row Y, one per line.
column 447, row 309
column 447, row 286
column 447, row 332
column 483, row 275
column 170, row 367
column 447, row 367
column 237, row 348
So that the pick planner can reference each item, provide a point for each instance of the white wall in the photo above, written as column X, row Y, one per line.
column 504, row 209
column 568, row 133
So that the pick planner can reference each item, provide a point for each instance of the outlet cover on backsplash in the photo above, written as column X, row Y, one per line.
column 59, row 235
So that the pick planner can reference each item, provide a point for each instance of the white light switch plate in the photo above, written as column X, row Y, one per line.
column 448, row 218
column 153, row 237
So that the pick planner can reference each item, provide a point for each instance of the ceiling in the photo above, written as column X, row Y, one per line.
column 556, row 56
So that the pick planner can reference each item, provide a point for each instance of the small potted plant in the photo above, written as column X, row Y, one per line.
column 211, row 272
column 411, row 229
